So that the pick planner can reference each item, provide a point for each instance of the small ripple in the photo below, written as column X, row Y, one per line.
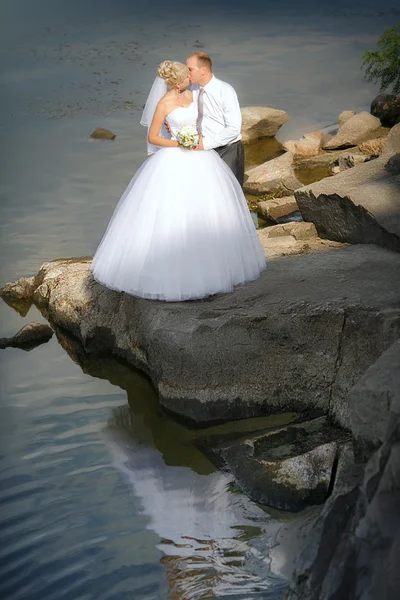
column 22, row 495
column 50, row 450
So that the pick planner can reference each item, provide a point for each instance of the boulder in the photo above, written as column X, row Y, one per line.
column 30, row 336
column 358, row 206
column 275, row 176
column 360, row 128
column 277, row 207
column 288, row 469
column 344, row 116
column 102, row 134
column 273, row 330
column 261, row 122
column 386, row 107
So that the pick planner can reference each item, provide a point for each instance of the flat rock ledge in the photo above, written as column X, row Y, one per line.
column 296, row 339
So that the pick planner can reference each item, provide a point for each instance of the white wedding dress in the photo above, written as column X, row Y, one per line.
column 182, row 229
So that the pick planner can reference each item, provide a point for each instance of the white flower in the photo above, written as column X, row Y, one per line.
column 188, row 136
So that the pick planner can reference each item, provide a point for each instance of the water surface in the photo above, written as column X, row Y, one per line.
column 99, row 500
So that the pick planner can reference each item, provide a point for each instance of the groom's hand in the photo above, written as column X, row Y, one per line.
column 199, row 145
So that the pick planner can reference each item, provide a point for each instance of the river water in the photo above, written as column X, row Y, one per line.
column 100, row 499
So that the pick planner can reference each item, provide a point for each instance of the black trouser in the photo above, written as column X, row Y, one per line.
column 233, row 155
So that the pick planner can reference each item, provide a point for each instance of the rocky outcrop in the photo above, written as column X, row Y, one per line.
column 359, row 205
column 353, row 546
column 29, row 337
column 261, row 122
column 355, row 130
column 275, row 176
column 386, row 107
column 102, row 134
column 273, row 330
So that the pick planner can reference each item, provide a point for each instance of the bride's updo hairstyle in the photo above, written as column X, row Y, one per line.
column 173, row 72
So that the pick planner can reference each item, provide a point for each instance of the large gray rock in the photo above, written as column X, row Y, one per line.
column 360, row 205
column 298, row 337
column 261, row 122
column 287, row 469
column 274, row 176
column 354, row 131
column 374, row 398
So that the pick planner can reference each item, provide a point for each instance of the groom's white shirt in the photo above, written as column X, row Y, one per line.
column 222, row 119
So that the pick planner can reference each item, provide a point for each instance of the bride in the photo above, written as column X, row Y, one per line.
column 182, row 229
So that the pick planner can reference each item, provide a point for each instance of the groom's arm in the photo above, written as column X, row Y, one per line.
column 232, row 120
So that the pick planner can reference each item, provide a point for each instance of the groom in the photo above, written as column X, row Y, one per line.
column 219, row 121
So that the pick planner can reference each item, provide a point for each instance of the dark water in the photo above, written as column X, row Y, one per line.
column 99, row 501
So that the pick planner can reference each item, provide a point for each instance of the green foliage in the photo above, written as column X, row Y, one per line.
column 383, row 66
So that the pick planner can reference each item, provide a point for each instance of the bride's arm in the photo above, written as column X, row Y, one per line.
column 155, row 128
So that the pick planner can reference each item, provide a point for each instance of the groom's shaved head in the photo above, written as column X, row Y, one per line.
column 203, row 60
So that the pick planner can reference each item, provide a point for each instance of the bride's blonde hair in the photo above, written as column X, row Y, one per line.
column 173, row 72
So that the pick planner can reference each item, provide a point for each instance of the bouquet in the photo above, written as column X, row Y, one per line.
column 188, row 136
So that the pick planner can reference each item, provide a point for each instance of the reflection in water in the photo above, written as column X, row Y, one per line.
column 214, row 540
column 208, row 534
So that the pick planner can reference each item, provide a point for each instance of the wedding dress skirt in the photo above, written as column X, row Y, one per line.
column 181, row 230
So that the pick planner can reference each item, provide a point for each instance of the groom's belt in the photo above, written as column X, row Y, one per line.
column 228, row 145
